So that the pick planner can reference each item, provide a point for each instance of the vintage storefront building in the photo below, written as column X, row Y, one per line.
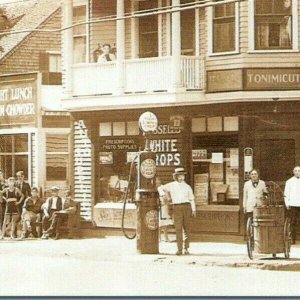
column 34, row 129
column 223, row 79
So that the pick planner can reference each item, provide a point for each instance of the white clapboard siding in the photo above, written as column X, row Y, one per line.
column 83, row 170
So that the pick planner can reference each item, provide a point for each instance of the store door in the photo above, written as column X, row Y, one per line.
column 277, row 160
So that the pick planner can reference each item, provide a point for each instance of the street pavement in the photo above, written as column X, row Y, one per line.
column 111, row 266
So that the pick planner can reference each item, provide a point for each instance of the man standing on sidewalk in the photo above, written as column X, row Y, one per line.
column 184, row 207
column 292, row 199
column 254, row 192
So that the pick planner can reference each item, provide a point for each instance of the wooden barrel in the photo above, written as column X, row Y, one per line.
column 268, row 223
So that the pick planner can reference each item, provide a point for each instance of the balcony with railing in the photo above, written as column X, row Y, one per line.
column 143, row 55
column 145, row 75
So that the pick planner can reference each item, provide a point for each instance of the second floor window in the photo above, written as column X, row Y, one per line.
column 224, row 28
column 148, row 30
column 79, row 34
column 273, row 24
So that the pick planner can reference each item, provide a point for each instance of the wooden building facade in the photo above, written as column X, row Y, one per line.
column 228, row 71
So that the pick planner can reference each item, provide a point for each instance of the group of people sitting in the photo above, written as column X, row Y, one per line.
column 22, row 204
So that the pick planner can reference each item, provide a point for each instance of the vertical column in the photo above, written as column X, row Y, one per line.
column 176, row 45
column 134, row 31
column 120, row 46
column 67, row 38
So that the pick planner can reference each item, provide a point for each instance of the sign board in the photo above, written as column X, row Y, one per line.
column 248, row 162
column 148, row 168
column 148, row 122
column 253, row 79
column 106, row 158
column 18, row 99
column 225, row 80
column 177, row 121
column 272, row 79
column 120, row 145
column 199, row 154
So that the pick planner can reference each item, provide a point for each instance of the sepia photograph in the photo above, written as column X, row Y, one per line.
column 149, row 148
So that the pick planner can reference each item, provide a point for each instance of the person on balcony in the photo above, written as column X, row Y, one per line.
column 106, row 55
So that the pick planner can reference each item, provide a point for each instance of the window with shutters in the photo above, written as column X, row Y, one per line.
column 80, row 34
column 224, row 35
column 57, row 152
column 273, row 24
column 50, row 67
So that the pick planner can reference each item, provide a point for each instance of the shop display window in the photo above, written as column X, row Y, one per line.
column 216, row 170
column 14, row 154
column 118, row 143
column 57, row 149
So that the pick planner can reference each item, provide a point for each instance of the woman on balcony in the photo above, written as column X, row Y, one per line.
column 106, row 56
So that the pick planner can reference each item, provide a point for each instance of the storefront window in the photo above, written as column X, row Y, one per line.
column 79, row 34
column 273, row 24
column 14, row 154
column 57, row 148
column 118, row 145
column 224, row 28
column 216, row 170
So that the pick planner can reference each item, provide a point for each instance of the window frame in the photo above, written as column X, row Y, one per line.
column 211, row 32
column 86, row 35
column 251, row 30
column 47, row 154
column 13, row 154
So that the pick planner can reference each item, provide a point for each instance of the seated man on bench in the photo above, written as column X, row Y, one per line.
column 59, row 216
column 32, row 211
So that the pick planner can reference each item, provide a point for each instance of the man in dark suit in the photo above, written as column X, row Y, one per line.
column 25, row 189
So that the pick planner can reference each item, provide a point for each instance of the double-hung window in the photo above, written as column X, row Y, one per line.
column 273, row 24
column 224, row 28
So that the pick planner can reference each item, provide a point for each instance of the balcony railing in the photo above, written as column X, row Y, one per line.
column 140, row 76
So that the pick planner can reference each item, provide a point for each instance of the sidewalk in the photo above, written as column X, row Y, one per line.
column 118, row 249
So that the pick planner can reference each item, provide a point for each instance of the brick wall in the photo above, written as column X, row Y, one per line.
column 26, row 56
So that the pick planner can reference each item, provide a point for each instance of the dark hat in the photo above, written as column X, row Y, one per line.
column 179, row 171
column 54, row 189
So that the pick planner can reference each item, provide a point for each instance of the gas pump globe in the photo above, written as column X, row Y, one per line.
column 147, row 232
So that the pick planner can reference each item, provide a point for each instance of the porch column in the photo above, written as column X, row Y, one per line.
column 176, row 46
column 67, row 47
column 120, row 46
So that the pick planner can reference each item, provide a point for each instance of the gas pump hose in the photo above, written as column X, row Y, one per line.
column 125, row 202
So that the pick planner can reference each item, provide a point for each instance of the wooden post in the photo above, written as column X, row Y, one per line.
column 120, row 47
column 67, row 47
column 176, row 46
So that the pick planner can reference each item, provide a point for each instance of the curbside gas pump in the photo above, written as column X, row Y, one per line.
column 146, row 199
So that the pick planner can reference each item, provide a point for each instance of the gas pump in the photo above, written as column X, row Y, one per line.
column 146, row 199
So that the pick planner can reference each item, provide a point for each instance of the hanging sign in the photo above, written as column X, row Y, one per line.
column 148, row 122
column 248, row 162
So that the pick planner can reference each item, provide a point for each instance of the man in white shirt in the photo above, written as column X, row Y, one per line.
column 292, row 199
column 254, row 192
column 52, row 205
column 184, row 207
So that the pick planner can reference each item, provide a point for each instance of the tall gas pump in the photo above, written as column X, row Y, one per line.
column 146, row 199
